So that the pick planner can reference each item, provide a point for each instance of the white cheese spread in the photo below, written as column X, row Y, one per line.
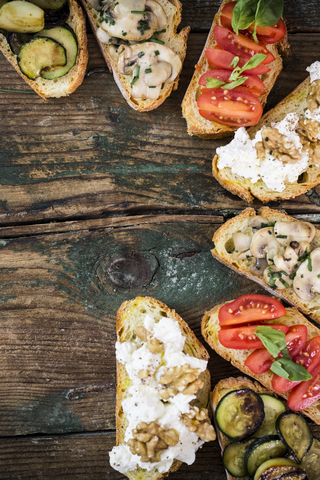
column 241, row 157
column 143, row 402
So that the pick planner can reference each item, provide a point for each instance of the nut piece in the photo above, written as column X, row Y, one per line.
column 313, row 98
column 182, row 379
column 277, row 145
column 198, row 421
column 308, row 128
column 153, row 344
column 150, row 440
column 142, row 333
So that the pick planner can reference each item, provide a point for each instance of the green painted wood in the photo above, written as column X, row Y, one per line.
column 59, row 294
column 90, row 154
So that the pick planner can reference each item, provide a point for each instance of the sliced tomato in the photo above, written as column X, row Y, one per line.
column 266, row 35
column 261, row 360
column 306, row 393
column 229, row 107
column 309, row 357
column 250, row 308
column 243, row 338
column 217, row 57
column 240, row 45
column 253, row 84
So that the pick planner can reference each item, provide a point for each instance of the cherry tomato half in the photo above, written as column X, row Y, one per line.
column 252, row 85
column 250, row 308
column 240, row 45
column 261, row 360
column 306, row 393
column 243, row 338
column 217, row 57
column 266, row 35
column 309, row 357
column 229, row 107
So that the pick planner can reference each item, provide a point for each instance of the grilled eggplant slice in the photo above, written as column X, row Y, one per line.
column 56, row 18
column 16, row 40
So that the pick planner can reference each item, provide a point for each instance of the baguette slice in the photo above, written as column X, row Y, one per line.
column 199, row 126
column 223, row 236
column 210, row 327
column 296, row 102
column 220, row 390
column 176, row 41
column 130, row 316
column 67, row 84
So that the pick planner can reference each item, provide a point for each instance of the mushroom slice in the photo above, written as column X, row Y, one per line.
column 307, row 280
column 258, row 266
column 287, row 232
column 133, row 20
column 277, row 278
column 241, row 241
column 258, row 222
column 151, row 65
column 264, row 243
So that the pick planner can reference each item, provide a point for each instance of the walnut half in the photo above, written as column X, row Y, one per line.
column 182, row 379
column 197, row 421
column 278, row 145
column 150, row 440
column 153, row 344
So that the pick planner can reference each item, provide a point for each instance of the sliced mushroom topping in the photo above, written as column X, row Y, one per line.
column 264, row 243
column 151, row 65
column 277, row 278
column 307, row 280
column 258, row 222
column 290, row 260
column 258, row 266
column 242, row 242
column 132, row 19
column 286, row 232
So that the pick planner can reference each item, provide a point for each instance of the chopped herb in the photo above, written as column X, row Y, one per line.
column 284, row 273
column 136, row 77
column 156, row 52
column 148, row 70
column 109, row 20
column 309, row 264
column 292, row 275
column 284, row 282
column 160, row 31
column 139, row 12
column 264, row 225
column 155, row 40
column 124, row 34
column 281, row 236
column 318, row 276
column 304, row 256
column 296, row 265
column 100, row 19
column 269, row 231
column 272, row 282
column 152, row 86
column 140, row 54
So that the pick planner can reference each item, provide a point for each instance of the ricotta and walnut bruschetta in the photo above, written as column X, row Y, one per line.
column 46, row 42
column 139, row 42
column 162, row 394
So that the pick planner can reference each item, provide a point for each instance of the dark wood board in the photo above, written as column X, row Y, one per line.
column 90, row 154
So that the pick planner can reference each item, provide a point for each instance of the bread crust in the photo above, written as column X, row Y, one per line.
column 206, row 129
column 69, row 82
column 220, row 390
column 239, row 223
column 210, row 327
column 125, row 330
column 172, row 38
column 296, row 102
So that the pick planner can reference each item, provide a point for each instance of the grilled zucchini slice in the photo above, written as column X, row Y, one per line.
column 40, row 54
column 295, row 433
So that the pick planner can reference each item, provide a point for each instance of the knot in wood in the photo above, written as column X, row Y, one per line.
column 130, row 271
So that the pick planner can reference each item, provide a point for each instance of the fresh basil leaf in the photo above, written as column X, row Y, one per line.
column 214, row 83
column 234, row 75
column 234, row 62
column 273, row 340
column 268, row 12
column 236, row 83
column 292, row 371
column 253, row 62
column 243, row 14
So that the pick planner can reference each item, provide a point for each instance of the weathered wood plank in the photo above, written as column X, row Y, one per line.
column 59, row 295
column 85, row 457
column 90, row 154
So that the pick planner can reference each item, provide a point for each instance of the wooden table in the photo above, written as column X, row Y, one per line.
column 98, row 204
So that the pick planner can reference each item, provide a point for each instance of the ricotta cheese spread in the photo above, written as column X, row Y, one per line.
column 143, row 402
column 240, row 154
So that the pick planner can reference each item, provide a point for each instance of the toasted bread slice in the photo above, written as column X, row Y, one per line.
column 199, row 126
column 295, row 102
column 210, row 327
column 223, row 236
column 130, row 316
column 67, row 84
column 220, row 390
column 176, row 41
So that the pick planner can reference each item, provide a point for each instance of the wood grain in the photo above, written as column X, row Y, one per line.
column 91, row 155
column 59, row 296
